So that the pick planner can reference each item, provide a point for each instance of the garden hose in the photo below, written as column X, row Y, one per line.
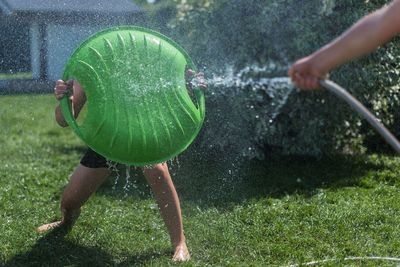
column 363, row 111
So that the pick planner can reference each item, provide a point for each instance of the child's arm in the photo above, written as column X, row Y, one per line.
column 78, row 98
column 363, row 37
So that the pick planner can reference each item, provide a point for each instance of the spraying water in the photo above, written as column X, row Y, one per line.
column 254, row 97
column 277, row 88
column 113, row 166
column 242, row 106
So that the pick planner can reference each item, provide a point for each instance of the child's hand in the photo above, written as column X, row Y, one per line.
column 63, row 88
column 194, row 80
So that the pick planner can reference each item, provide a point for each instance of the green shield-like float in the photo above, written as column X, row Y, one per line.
column 138, row 109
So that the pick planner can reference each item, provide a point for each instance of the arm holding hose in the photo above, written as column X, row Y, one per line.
column 362, row 38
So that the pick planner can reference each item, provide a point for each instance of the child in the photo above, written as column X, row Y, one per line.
column 363, row 37
column 93, row 170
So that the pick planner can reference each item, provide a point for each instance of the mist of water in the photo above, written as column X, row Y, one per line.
column 277, row 88
column 241, row 109
column 240, row 104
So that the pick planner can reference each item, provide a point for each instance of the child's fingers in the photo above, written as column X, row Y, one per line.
column 62, row 88
column 199, row 74
column 189, row 74
column 60, row 93
column 202, row 80
column 70, row 82
column 70, row 86
column 58, row 89
column 59, row 82
column 194, row 80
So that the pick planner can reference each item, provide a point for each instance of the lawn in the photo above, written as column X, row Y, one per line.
column 18, row 75
column 278, row 212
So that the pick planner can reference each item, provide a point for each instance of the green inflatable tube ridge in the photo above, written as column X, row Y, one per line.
column 138, row 109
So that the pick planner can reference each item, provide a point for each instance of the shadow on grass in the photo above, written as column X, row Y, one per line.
column 213, row 179
column 68, row 149
column 218, row 181
column 54, row 250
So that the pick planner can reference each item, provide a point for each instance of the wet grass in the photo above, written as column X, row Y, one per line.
column 278, row 212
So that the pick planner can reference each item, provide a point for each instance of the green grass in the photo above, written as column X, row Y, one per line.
column 277, row 212
column 19, row 75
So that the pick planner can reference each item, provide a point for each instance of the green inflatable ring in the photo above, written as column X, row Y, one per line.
column 138, row 109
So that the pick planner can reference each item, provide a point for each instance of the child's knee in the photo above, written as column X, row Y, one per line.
column 156, row 173
column 159, row 167
column 156, row 168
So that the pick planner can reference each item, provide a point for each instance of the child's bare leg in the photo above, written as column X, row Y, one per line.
column 84, row 181
column 167, row 199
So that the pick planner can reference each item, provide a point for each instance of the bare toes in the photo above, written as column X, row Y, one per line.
column 48, row 226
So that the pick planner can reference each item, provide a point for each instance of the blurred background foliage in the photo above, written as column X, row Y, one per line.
column 263, row 37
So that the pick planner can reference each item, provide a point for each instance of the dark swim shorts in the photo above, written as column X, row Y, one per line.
column 93, row 160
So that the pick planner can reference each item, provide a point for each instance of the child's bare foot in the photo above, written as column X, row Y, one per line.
column 50, row 226
column 68, row 220
column 181, row 252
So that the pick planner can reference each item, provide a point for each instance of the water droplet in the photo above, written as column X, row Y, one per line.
column 113, row 167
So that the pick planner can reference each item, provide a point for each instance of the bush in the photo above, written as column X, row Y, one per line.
column 251, row 36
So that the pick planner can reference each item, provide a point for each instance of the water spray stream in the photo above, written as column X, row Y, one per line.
column 113, row 167
column 128, row 183
column 243, row 105
column 278, row 95
column 259, row 94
